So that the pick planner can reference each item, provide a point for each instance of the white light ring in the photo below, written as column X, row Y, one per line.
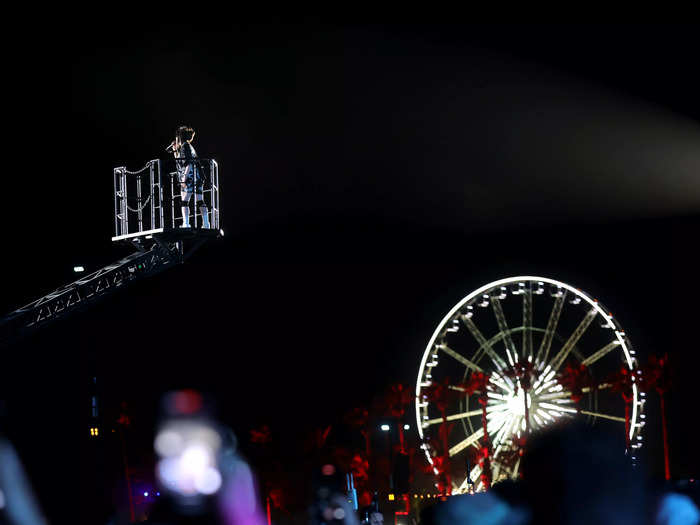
column 595, row 304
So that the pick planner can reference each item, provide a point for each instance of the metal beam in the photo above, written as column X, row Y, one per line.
column 459, row 357
column 492, row 426
column 605, row 416
column 79, row 294
column 452, row 417
column 500, row 363
column 561, row 356
column 554, row 395
column 502, row 324
column 459, row 447
column 527, row 321
column 551, row 329
column 600, row 353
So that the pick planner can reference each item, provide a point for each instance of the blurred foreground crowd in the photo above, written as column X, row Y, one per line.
column 575, row 475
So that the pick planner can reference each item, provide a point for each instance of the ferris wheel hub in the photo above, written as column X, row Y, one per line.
column 516, row 403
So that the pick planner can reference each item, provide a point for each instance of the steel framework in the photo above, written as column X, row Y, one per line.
column 145, row 206
column 149, row 226
column 526, row 387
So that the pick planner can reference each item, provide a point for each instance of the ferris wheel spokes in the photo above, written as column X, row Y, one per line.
column 527, row 322
column 551, row 329
column 453, row 417
column 496, row 380
column 502, row 324
column 502, row 433
column 459, row 357
column 561, row 356
column 604, row 416
column 564, row 395
column 527, row 386
column 483, row 343
column 470, row 440
column 493, row 426
column 600, row 353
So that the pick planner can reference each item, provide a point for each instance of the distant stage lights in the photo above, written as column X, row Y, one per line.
column 406, row 427
column 385, row 428
column 78, row 269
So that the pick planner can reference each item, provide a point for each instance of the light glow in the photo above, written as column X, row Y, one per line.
column 505, row 411
column 188, row 452
column 208, row 482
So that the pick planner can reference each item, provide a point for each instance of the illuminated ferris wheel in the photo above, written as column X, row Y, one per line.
column 513, row 357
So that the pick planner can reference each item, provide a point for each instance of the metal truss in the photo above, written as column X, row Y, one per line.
column 140, row 205
column 146, row 205
column 146, row 262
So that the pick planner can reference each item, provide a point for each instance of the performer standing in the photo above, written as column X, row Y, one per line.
column 190, row 175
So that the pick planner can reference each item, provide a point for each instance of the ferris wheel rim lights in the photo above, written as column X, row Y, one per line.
column 610, row 323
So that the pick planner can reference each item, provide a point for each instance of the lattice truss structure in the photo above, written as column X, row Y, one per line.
column 148, row 201
column 78, row 294
column 544, row 351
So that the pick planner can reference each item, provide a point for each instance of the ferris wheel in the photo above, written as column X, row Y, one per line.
column 514, row 357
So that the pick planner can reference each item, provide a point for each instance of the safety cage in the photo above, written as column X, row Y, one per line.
column 149, row 202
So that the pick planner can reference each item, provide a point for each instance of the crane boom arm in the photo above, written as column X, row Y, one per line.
column 88, row 289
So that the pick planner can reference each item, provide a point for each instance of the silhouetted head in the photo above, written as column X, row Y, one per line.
column 486, row 508
column 576, row 474
column 184, row 134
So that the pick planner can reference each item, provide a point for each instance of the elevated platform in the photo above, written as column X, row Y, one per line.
column 148, row 216
column 79, row 294
column 169, row 235
column 148, row 203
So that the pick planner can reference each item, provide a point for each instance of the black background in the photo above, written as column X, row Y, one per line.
column 373, row 175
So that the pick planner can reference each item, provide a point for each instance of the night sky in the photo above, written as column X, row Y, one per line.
column 372, row 176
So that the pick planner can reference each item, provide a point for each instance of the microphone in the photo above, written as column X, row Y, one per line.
column 170, row 147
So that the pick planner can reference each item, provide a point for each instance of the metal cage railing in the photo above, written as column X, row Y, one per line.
column 209, row 170
column 144, row 206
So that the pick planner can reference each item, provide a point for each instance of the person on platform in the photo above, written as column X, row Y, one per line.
column 190, row 175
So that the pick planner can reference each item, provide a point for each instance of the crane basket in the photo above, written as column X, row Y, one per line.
column 145, row 204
